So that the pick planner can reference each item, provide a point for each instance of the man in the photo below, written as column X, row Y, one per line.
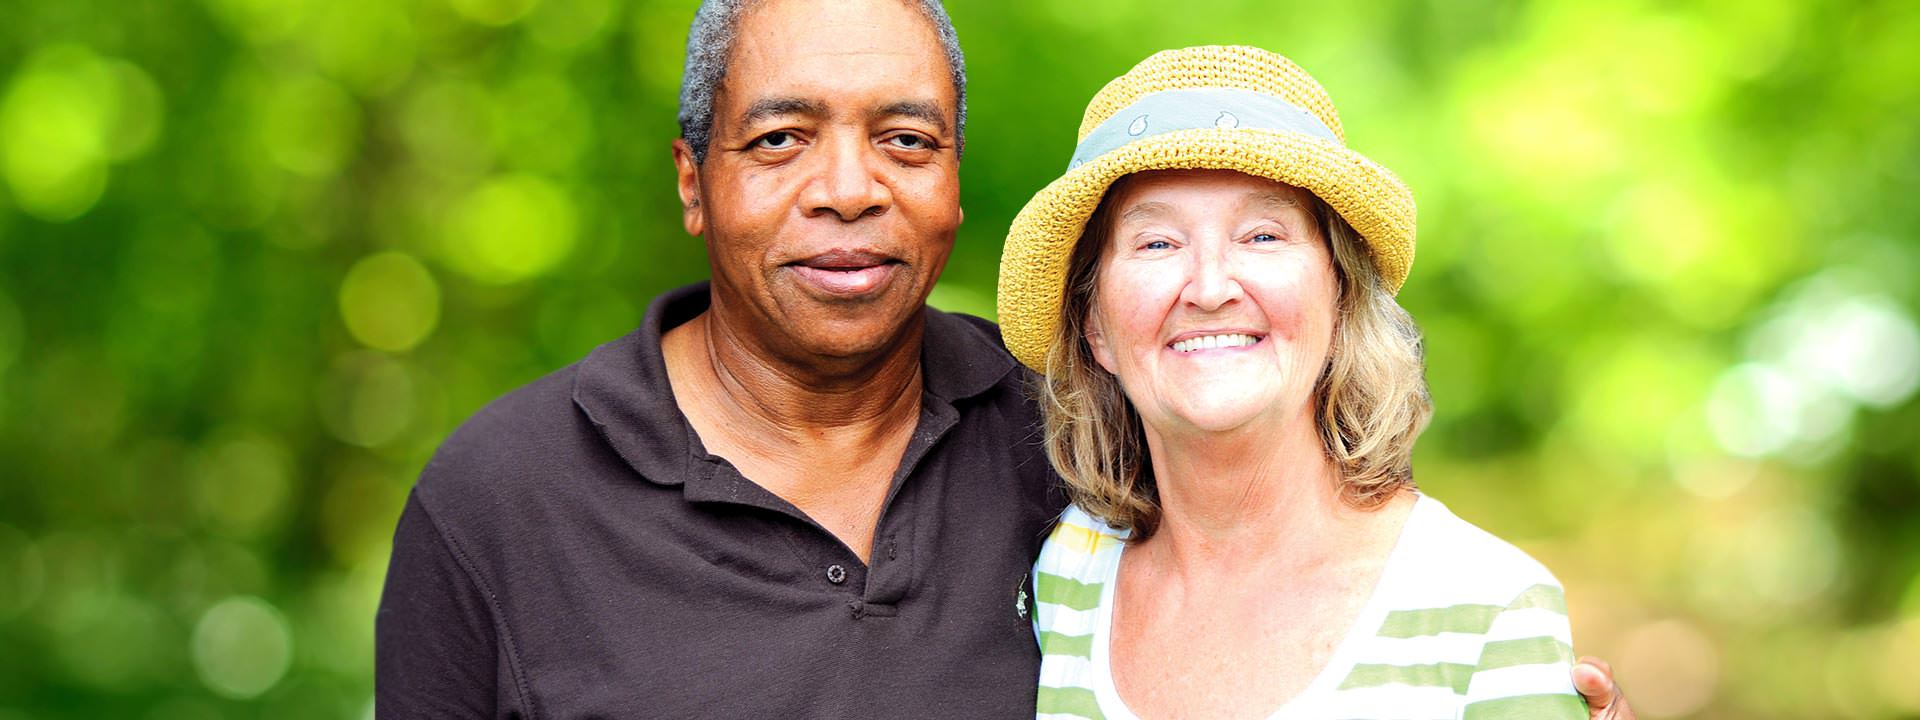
column 794, row 492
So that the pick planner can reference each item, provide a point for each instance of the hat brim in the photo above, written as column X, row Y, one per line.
column 1033, row 263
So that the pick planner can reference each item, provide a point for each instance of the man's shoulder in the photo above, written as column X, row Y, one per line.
column 977, row 334
column 976, row 342
column 522, row 417
column 508, row 445
column 988, row 328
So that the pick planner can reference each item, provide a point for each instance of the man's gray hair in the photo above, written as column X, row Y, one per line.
column 716, row 27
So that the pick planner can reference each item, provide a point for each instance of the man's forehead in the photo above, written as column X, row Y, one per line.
column 785, row 38
column 836, row 57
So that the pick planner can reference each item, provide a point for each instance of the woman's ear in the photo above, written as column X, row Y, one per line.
column 1097, row 342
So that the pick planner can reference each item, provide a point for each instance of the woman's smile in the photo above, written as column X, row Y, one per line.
column 1197, row 342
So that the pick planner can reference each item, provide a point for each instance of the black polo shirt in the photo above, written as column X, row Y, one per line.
column 573, row 551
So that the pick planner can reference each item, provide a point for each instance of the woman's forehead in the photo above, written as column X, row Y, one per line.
column 1156, row 193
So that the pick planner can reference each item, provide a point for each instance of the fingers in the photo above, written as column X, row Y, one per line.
column 1593, row 677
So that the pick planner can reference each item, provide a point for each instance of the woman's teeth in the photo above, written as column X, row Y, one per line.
column 1209, row 342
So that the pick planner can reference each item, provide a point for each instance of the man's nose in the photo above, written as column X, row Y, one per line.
column 1212, row 281
column 847, row 182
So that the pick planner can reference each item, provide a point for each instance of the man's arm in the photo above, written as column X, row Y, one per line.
column 1593, row 677
column 434, row 643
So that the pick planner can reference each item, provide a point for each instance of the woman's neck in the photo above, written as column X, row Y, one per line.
column 1248, row 499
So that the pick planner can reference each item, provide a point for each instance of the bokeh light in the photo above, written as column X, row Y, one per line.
column 1673, row 666
column 22, row 572
column 389, row 301
column 368, row 399
column 307, row 125
column 67, row 114
column 367, row 45
column 242, row 483
column 242, row 647
column 510, row 229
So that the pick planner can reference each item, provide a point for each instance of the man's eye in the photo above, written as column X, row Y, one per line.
column 909, row 141
column 778, row 140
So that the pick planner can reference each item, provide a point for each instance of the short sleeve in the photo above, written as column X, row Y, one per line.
column 1525, row 668
column 434, row 649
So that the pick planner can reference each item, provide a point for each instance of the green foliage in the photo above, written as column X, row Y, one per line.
column 258, row 256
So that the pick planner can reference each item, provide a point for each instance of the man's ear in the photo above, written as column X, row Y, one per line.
column 687, row 172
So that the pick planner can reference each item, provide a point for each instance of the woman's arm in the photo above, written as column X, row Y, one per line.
column 1525, row 669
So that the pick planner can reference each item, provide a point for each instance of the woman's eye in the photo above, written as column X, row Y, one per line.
column 1265, row 238
column 778, row 140
column 1157, row 245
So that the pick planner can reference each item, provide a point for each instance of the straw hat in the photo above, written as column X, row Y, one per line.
column 1214, row 107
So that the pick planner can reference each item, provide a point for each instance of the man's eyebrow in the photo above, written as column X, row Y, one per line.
column 1146, row 211
column 929, row 112
column 775, row 107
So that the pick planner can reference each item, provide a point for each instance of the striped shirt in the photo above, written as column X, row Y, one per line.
column 1460, row 625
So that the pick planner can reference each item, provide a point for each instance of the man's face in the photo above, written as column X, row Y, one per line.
column 830, row 193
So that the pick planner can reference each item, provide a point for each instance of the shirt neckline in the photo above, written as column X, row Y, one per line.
column 1304, row 705
column 623, row 389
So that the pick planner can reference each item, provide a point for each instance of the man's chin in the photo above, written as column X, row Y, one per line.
column 850, row 343
column 853, row 335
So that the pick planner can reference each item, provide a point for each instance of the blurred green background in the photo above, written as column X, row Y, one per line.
column 258, row 256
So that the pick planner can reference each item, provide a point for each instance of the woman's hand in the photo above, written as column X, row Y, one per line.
column 1593, row 677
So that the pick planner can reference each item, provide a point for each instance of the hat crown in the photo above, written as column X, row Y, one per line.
column 1213, row 66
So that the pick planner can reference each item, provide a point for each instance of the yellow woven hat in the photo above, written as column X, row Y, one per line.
column 1212, row 107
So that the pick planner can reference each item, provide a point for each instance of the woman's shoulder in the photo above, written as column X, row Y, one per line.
column 1079, row 534
column 1077, row 517
column 1070, row 578
column 1080, row 529
column 1502, row 613
column 1458, row 557
column 1082, row 548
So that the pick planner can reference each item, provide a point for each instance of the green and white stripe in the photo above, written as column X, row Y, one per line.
column 1462, row 625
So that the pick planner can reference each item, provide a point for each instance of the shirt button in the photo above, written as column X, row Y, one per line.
column 836, row 574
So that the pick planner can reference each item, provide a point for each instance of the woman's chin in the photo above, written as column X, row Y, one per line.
column 1219, row 416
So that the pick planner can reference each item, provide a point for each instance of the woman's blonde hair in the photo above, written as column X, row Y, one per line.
column 1371, row 399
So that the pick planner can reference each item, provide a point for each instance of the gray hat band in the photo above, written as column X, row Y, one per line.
column 1175, row 110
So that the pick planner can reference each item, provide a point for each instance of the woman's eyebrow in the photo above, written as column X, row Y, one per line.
column 1273, row 200
column 1146, row 211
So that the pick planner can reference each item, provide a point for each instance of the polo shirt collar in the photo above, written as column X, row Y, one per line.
column 622, row 386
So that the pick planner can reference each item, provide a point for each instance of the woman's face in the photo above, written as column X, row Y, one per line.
column 1216, row 300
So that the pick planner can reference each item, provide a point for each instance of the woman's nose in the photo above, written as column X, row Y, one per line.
column 1212, row 282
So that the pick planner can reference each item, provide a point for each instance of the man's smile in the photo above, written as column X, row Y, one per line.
column 845, row 273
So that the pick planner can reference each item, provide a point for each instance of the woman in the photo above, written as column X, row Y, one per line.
column 1232, row 396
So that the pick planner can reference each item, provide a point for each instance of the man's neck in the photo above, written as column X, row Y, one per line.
column 825, row 434
column 802, row 397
